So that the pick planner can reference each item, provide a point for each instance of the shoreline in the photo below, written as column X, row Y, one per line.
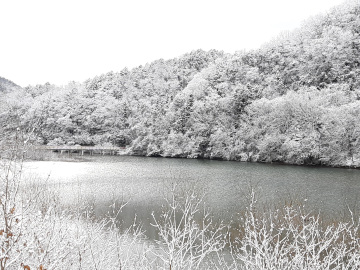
column 75, row 157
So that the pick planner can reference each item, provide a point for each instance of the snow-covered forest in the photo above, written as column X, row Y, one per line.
column 296, row 100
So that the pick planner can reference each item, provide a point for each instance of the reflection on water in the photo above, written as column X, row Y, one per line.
column 144, row 182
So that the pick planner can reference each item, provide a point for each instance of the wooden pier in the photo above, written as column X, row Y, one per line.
column 81, row 150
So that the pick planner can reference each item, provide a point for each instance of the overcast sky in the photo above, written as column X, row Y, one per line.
column 60, row 41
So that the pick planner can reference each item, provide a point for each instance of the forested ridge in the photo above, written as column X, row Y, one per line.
column 7, row 85
column 296, row 100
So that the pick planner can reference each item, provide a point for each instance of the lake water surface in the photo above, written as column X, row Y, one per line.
column 143, row 181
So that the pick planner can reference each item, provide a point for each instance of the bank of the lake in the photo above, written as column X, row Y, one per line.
column 47, row 153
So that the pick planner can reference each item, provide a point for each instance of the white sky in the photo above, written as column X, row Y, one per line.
column 60, row 41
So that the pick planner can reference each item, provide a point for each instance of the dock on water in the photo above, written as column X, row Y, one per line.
column 81, row 150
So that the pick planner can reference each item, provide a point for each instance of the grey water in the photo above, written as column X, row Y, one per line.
column 143, row 182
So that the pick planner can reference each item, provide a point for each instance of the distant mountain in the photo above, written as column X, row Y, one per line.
column 6, row 85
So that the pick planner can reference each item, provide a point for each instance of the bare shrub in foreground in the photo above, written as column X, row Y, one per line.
column 288, row 238
column 188, row 237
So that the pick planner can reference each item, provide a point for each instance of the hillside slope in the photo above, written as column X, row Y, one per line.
column 7, row 85
column 296, row 100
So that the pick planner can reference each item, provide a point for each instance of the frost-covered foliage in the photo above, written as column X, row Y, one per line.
column 290, row 238
column 188, row 237
column 295, row 100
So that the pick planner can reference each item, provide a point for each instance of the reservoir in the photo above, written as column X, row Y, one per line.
column 143, row 182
